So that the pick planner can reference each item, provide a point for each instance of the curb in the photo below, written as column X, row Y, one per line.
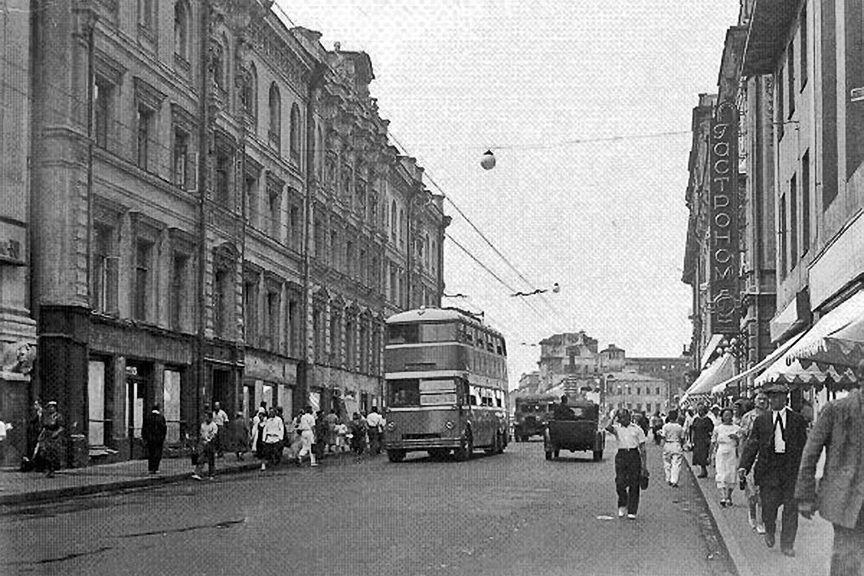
column 727, row 534
column 43, row 496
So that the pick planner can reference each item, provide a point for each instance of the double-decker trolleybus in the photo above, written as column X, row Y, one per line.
column 445, row 384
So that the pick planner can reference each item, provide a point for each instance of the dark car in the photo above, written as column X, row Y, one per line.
column 580, row 433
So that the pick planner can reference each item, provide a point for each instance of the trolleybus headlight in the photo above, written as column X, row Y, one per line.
column 391, row 426
column 449, row 425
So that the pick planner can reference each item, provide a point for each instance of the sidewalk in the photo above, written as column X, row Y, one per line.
column 747, row 548
column 26, row 487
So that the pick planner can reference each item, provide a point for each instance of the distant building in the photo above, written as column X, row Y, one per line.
column 635, row 391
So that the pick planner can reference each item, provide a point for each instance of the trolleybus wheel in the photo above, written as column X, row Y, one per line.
column 556, row 453
column 396, row 455
column 548, row 454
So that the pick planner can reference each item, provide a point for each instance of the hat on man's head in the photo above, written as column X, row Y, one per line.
column 51, row 403
column 776, row 388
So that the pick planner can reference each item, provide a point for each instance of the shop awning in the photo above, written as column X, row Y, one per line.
column 836, row 340
column 796, row 375
column 719, row 370
column 762, row 365
column 713, row 342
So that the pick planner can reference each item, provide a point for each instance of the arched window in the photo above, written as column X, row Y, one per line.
column 426, row 250
column 249, row 93
column 393, row 226
column 295, row 133
column 401, row 227
column 181, row 29
column 275, row 130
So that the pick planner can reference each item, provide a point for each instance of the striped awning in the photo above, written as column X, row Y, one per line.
column 721, row 369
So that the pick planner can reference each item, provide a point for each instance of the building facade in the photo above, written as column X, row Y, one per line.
column 794, row 70
column 219, row 226
column 17, row 327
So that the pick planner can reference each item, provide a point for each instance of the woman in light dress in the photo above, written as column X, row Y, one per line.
column 724, row 444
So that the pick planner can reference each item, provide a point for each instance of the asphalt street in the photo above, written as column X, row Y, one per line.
column 508, row 514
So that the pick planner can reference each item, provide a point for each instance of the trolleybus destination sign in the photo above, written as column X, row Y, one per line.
column 723, row 242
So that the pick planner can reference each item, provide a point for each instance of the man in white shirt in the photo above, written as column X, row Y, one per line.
column 206, row 448
column 306, row 425
column 630, row 462
column 220, row 418
column 376, row 429
column 274, row 433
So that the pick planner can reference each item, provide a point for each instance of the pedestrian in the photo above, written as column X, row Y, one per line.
column 274, row 433
column 330, row 422
column 220, row 418
column 724, row 445
column 673, row 447
column 320, row 433
column 689, row 414
column 700, row 438
column 631, row 462
column 206, row 447
column 751, row 490
column 375, row 429
column 341, row 437
column 50, row 445
column 714, row 414
column 307, row 436
column 258, row 434
column 775, row 445
column 358, row 433
column 239, row 435
column 838, row 431
column 656, row 427
column 34, row 427
column 153, row 432
column 280, row 414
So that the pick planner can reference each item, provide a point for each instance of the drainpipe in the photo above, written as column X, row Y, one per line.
column 304, row 365
column 203, row 153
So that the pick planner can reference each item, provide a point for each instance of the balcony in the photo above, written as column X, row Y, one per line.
column 769, row 22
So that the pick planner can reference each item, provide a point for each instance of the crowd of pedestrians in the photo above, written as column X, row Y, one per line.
column 308, row 437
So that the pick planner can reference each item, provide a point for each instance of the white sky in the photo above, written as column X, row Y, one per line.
column 605, row 219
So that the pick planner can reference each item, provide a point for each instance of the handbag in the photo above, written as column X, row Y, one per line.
column 643, row 481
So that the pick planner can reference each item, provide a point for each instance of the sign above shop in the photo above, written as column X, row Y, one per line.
column 723, row 209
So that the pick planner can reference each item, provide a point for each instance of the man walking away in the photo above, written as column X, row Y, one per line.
column 775, row 444
column 307, row 436
column 206, row 447
column 630, row 462
column 376, row 428
column 672, row 434
column 839, row 430
column 153, row 432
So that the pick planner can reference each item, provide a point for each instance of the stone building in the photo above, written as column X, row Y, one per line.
column 228, row 224
column 17, row 327
column 793, row 72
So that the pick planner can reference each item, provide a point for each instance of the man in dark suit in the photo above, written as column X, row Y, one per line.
column 776, row 444
column 153, row 433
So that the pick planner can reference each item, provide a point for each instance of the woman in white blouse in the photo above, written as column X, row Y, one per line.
column 724, row 444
